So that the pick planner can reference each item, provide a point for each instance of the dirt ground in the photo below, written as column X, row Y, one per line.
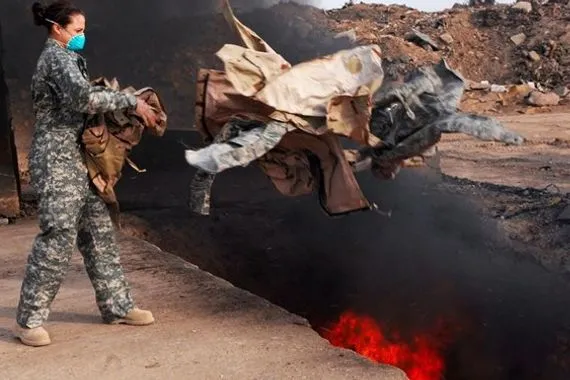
column 206, row 328
column 541, row 162
column 526, row 188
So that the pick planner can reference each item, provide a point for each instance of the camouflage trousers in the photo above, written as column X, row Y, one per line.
column 238, row 143
column 71, row 213
column 240, row 148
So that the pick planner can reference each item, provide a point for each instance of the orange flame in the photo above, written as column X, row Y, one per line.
column 420, row 359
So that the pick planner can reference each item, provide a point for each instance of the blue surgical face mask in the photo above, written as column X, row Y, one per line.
column 75, row 43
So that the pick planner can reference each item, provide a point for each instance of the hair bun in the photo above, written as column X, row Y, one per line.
column 38, row 10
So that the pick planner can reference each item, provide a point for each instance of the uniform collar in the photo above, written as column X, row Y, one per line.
column 53, row 43
column 56, row 44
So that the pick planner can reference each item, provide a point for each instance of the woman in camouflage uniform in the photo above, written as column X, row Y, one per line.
column 70, row 212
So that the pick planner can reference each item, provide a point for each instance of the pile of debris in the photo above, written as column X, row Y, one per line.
column 528, row 97
column 478, row 42
column 521, row 43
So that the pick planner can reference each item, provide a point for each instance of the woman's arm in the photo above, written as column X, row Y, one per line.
column 78, row 94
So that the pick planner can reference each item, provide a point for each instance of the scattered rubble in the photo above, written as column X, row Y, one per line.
column 524, row 6
column 349, row 34
column 528, row 42
column 562, row 91
column 422, row 39
column 483, row 85
column 498, row 88
column 447, row 38
column 485, row 31
column 541, row 99
column 534, row 56
column 518, row 39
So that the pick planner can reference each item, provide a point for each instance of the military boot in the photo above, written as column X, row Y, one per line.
column 136, row 317
column 35, row 337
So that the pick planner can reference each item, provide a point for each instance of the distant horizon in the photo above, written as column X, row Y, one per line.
column 423, row 5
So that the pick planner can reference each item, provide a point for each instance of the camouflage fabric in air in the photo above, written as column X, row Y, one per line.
column 411, row 117
column 70, row 212
column 239, row 143
column 201, row 185
column 408, row 117
column 252, row 141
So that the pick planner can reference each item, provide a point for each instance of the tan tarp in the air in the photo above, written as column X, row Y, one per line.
column 287, row 165
column 336, row 88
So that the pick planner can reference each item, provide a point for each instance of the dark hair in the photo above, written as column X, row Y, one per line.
column 59, row 11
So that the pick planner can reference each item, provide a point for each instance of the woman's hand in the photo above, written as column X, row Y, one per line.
column 146, row 112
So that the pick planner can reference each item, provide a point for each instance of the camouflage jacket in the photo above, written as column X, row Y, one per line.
column 62, row 97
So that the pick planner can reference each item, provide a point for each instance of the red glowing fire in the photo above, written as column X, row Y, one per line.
column 421, row 359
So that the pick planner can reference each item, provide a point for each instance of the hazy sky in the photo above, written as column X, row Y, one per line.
column 425, row 5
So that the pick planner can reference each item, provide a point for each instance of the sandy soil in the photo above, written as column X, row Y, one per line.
column 541, row 162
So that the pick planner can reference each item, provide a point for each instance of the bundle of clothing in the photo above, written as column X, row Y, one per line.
column 109, row 138
column 290, row 120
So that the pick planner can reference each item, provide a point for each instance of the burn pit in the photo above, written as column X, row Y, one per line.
column 434, row 286
column 421, row 358
column 434, row 279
